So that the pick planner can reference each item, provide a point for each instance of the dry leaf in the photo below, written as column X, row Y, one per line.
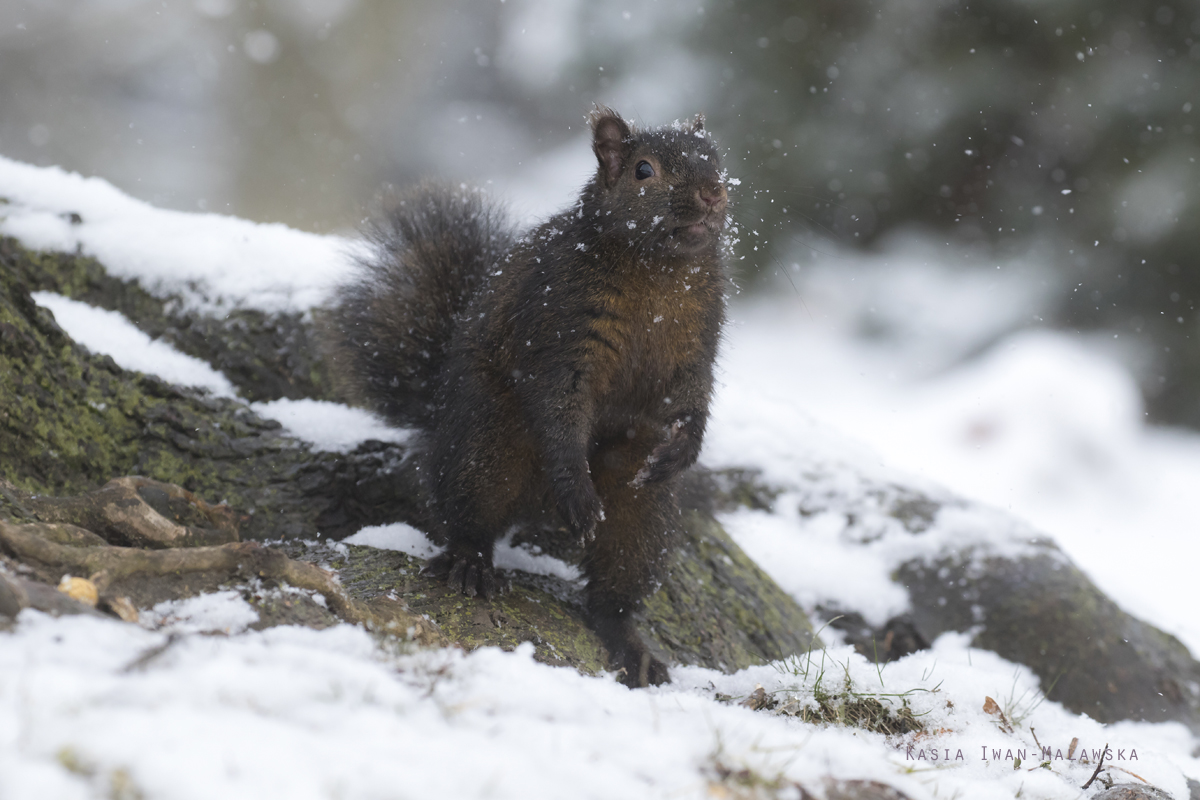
column 80, row 589
column 123, row 608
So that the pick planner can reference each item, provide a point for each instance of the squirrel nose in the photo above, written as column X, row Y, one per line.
column 713, row 197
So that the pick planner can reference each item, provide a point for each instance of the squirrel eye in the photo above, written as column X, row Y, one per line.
column 643, row 170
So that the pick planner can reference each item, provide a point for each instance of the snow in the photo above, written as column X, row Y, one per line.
column 334, row 427
column 298, row 713
column 208, row 260
column 1043, row 425
column 529, row 558
column 225, row 612
column 399, row 536
column 407, row 539
column 1046, row 428
column 110, row 333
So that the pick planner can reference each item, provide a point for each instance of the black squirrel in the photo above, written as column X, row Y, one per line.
column 570, row 367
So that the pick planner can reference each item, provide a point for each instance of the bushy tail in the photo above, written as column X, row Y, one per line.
column 391, row 327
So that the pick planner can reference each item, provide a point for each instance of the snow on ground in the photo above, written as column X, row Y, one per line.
column 1041, row 426
column 90, row 704
column 399, row 536
column 225, row 611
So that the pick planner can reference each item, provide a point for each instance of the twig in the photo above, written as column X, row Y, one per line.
column 1134, row 774
column 152, row 653
column 1099, row 766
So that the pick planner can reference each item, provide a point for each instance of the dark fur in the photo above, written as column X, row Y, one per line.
column 571, row 367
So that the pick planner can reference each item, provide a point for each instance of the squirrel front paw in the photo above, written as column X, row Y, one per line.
column 469, row 573
column 580, row 507
column 669, row 458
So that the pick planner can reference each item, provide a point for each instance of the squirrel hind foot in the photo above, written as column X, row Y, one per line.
column 471, row 575
column 652, row 672
column 639, row 669
column 628, row 653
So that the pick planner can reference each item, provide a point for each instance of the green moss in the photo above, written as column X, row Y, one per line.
column 54, row 437
column 523, row 614
column 716, row 609
column 71, row 420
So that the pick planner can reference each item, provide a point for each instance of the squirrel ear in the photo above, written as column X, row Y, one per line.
column 698, row 123
column 610, row 141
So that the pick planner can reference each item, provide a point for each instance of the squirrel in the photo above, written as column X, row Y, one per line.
column 569, row 368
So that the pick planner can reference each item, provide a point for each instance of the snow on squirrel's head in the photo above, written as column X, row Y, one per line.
column 659, row 186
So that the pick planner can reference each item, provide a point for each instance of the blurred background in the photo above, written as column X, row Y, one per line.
column 967, row 228
column 1055, row 135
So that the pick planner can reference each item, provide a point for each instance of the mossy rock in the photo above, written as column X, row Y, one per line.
column 1033, row 607
column 716, row 608
column 1040, row 610
column 71, row 420
column 266, row 356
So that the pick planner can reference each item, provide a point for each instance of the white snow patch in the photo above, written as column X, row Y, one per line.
column 332, row 427
column 810, row 562
column 209, row 260
column 529, row 558
column 111, row 333
column 396, row 536
column 407, row 539
column 216, row 612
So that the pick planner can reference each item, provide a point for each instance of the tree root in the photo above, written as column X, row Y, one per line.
column 105, row 565
column 133, row 511
column 59, row 545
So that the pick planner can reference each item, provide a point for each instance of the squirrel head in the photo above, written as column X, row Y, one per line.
column 659, row 187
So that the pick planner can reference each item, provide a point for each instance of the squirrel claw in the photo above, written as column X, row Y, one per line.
column 466, row 574
column 628, row 653
column 438, row 566
column 669, row 458
column 582, row 511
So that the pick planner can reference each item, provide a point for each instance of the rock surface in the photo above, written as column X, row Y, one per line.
column 71, row 422
column 1132, row 791
column 1042, row 611
column 1028, row 603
